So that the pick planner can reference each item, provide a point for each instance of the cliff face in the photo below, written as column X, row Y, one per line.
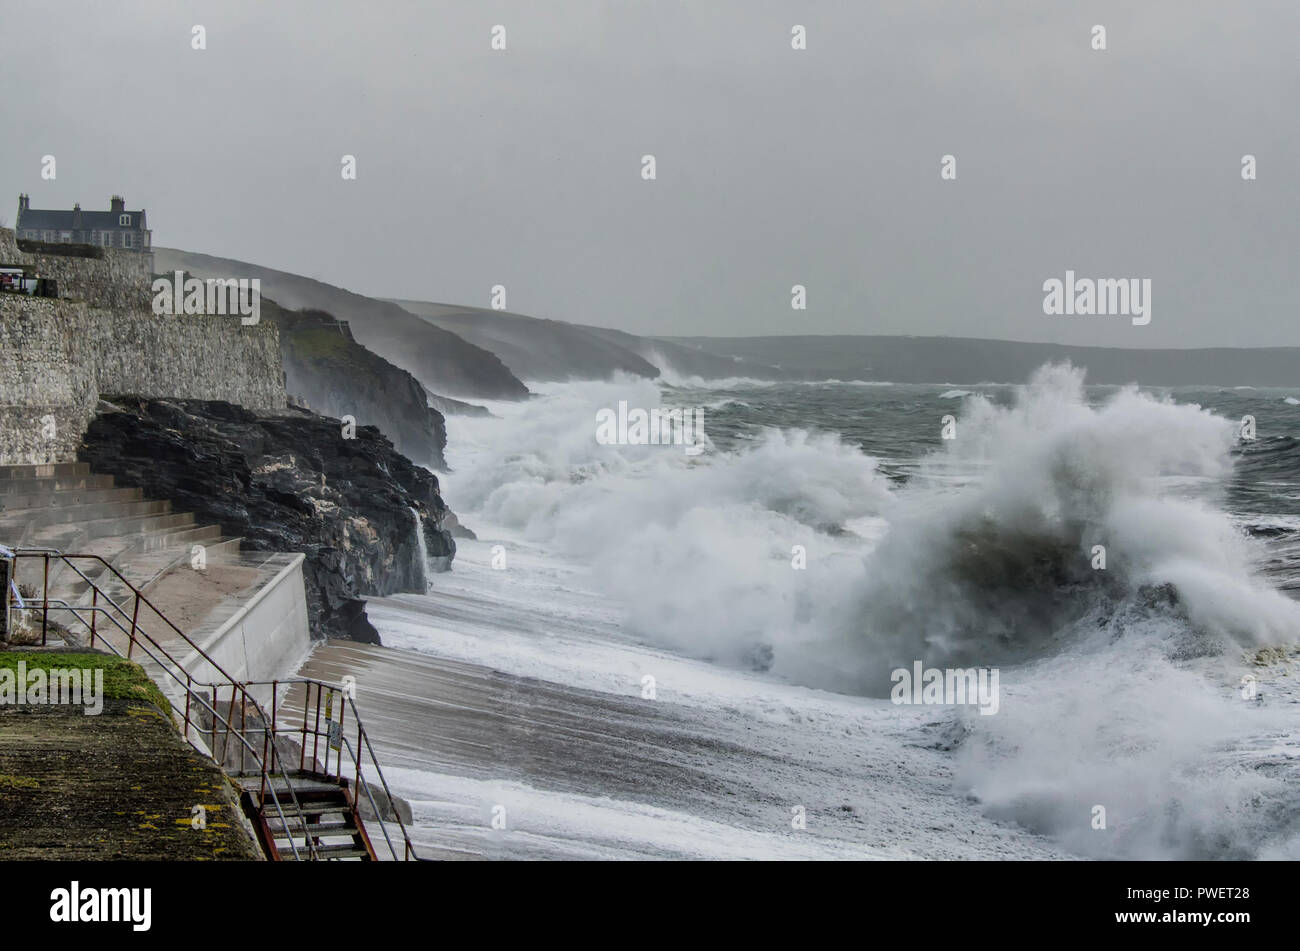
column 533, row 348
column 546, row 350
column 443, row 362
column 286, row 482
column 337, row 376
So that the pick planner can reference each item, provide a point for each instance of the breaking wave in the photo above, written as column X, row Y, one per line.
column 1083, row 550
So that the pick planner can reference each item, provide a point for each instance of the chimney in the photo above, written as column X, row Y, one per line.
column 117, row 203
column 76, row 206
column 22, row 202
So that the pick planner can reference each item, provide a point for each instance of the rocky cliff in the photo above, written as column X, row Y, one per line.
column 442, row 361
column 534, row 348
column 335, row 375
column 545, row 350
column 286, row 481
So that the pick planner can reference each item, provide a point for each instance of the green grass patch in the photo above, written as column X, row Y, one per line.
column 123, row 679
column 317, row 343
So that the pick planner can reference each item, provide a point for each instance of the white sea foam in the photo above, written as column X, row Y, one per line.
column 1118, row 682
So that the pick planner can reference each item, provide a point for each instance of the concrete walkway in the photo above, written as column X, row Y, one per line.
column 119, row 785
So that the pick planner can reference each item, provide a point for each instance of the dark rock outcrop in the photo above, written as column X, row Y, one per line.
column 285, row 482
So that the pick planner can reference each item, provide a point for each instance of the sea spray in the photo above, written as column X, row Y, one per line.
column 1118, row 726
column 980, row 572
column 699, row 554
column 1116, row 685
column 422, row 547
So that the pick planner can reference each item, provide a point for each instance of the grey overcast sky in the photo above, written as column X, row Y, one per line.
column 775, row 166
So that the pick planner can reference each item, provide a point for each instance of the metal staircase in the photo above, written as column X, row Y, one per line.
column 307, row 770
column 323, row 815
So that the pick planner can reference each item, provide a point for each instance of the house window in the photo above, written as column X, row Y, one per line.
column 124, row 220
column 126, row 239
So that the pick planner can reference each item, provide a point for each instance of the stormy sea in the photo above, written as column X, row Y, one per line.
column 693, row 653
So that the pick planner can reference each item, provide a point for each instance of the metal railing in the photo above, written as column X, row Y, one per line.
column 325, row 727
column 203, row 699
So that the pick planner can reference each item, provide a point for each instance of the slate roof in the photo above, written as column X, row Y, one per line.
column 42, row 219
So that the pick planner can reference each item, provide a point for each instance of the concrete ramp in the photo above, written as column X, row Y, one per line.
column 501, row 766
column 439, row 716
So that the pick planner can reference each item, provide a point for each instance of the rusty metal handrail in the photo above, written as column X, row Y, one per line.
column 362, row 751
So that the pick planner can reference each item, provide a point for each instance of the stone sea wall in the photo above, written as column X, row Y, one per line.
column 101, row 336
column 101, row 277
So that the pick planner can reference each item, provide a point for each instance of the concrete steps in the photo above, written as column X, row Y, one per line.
column 110, row 538
column 68, row 508
column 12, row 486
column 49, row 470
column 141, row 556
column 47, row 493
column 117, row 511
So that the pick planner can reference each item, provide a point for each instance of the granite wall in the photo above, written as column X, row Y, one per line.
column 101, row 336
